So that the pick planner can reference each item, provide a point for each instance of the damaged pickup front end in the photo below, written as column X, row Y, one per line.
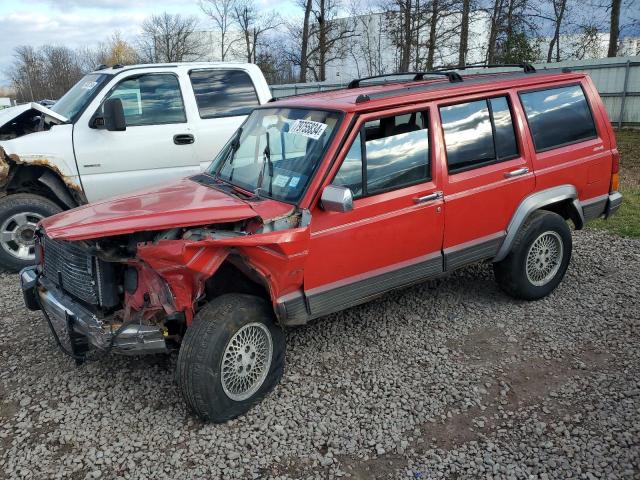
column 138, row 292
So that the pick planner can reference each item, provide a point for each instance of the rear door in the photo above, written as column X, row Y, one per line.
column 158, row 144
column 393, row 235
column 488, row 173
column 224, row 98
column 571, row 148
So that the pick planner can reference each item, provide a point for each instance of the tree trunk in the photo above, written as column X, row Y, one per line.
column 405, row 51
column 555, row 40
column 464, row 33
column 431, row 52
column 322, row 43
column 614, row 29
column 493, row 34
column 305, row 43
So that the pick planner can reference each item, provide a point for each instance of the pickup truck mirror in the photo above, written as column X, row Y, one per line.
column 336, row 199
column 113, row 115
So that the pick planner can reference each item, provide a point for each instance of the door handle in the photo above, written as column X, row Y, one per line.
column 428, row 198
column 516, row 173
column 183, row 139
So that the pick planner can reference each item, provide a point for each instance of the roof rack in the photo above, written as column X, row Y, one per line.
column 102, row 66
column 525, row 66
column 416, row 76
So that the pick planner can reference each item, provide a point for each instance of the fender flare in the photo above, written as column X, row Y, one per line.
column 534, row 202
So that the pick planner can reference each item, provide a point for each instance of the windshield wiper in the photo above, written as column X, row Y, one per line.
column 233, row 148
column 266, row 160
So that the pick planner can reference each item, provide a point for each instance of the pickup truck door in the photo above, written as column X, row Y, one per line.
column 393, row 235
column 222, row 99
column 158, row 144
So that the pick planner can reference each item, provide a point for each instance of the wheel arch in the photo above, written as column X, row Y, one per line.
column 44, row 181
column 562, row 200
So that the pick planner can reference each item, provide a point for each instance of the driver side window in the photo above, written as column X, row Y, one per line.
column 151, row 99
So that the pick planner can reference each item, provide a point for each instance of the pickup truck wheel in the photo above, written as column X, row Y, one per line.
column 231, row 357
column 538, row 259
column 19, row 215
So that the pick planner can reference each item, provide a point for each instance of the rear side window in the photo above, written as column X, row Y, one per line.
column 558, row 116
column 395, row 155
column 152, row 99
column 223, row 93
column 478, row 133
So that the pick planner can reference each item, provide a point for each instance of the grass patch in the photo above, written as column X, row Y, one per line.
column 626, row 222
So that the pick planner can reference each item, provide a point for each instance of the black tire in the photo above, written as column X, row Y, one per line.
column 15, row 204
column 200, row 358
column 511, row 273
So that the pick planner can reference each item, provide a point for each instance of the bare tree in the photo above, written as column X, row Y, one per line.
column 46, row 72
column 463, row 49
column 322, row 39
column 304, row 47
column 221, row 13
column 170, row 38
column 370, row 24
column 559, row 10
column 614, row 28
column 253, row 25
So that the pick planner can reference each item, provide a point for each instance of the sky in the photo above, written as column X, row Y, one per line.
column 77, row 23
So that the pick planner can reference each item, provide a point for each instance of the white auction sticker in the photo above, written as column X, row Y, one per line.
column 88, row 85
column 308, row 128
column 281, row 180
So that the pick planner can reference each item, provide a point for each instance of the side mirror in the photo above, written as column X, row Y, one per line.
column 113, row 115
column 336, row 199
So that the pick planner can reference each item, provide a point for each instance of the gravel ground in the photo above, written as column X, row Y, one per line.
column 449, row 379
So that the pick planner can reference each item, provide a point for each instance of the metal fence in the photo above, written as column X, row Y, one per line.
column 617, row 80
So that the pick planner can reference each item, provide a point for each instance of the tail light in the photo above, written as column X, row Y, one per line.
column 615, row 172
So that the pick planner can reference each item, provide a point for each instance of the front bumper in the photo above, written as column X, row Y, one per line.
column 613, row 204
column 66, row 313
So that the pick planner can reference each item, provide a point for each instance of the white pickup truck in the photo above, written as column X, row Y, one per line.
column 117, row 130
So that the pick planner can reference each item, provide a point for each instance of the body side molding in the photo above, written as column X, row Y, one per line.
column 533, row 202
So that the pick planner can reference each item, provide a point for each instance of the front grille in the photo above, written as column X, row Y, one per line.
column 79, row 273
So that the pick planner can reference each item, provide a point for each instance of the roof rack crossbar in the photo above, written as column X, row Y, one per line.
column 525, row 66
column 415, row 76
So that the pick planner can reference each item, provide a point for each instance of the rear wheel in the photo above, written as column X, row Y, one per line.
column 231, row 357
column 538, row 259
column 19, row 215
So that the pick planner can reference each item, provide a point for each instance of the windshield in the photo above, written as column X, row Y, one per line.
column 79, row 95
column 276, row 151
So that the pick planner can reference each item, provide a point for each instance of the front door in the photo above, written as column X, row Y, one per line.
column 158, row 144
column 393, row 235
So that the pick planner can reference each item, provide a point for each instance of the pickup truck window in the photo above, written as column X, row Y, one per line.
column 74, row 101
column 277, row 151
column 223, row 93
column 478, row 133
column 151, row 99
column 396, row 155
column 558, row 116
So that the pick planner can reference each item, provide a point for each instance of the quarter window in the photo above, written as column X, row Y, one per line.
column 223, row 93
column 151, row 100
column 478, row 133
column 396, row 155
column 558, row 116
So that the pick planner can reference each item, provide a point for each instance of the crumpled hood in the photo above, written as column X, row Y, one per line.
column 10, row 114
column 182, row 203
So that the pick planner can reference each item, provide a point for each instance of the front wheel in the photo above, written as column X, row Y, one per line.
column 19, row 215
column 538, row 259
column 231, row 357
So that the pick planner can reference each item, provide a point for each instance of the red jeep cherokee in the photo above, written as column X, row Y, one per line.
column 319, row 203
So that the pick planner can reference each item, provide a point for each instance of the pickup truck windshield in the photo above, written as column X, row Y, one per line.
column 276, row 151
column 72, row 102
